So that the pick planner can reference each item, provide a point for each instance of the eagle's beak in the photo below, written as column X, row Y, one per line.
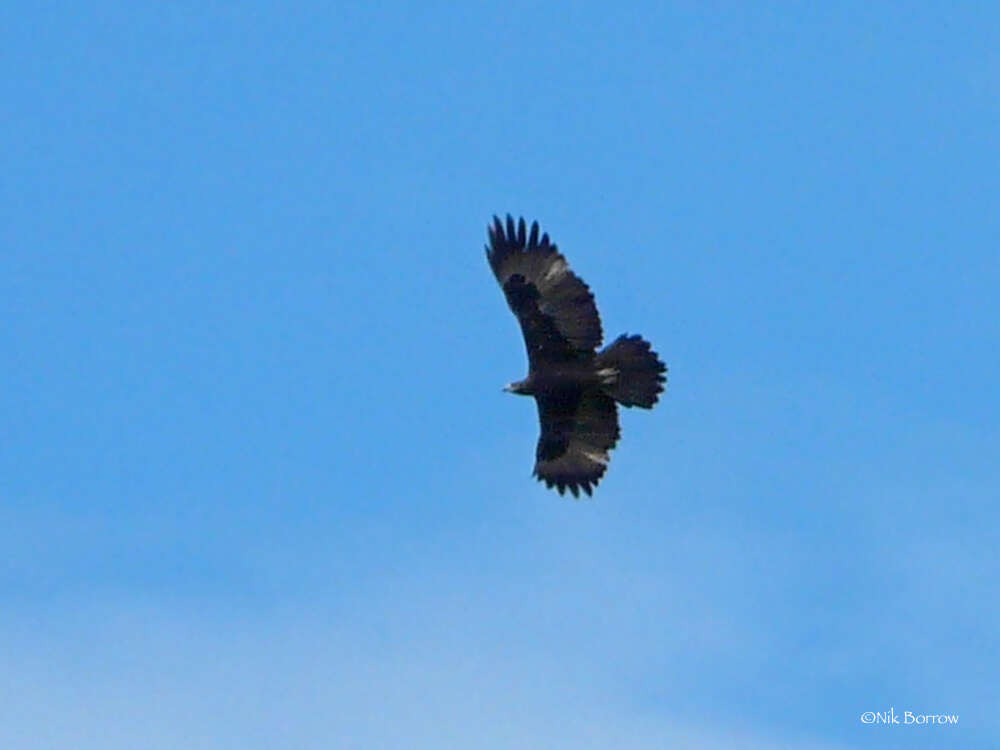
column 509, row 388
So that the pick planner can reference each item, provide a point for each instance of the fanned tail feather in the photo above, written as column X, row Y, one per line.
column 630, row 372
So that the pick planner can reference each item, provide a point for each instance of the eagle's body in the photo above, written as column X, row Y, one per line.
column 565, row 380
column 575, row 386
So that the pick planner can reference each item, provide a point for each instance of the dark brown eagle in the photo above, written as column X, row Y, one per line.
column 575, row 386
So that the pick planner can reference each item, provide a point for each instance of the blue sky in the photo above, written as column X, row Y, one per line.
column 260, row 487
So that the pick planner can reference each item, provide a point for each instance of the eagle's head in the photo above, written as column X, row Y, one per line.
column 519, row 387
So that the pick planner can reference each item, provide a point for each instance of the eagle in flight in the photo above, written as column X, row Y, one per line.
column 575, row 386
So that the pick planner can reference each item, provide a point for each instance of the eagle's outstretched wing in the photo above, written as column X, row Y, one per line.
column 555, row 308
column 578, row 431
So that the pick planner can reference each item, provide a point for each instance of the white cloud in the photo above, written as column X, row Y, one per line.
column 168, row 679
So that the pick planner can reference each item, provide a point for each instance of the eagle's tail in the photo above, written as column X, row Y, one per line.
column 630, row 372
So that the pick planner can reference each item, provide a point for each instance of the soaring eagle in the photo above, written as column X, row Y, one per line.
column 575, row 386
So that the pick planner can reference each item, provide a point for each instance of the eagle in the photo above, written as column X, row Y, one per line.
column 576, row 387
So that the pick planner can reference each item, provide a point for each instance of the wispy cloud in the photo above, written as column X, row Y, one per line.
column 153, row 678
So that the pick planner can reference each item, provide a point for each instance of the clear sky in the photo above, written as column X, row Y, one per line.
column 259, row 487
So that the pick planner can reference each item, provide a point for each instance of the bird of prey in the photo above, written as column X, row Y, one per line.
column 575, row 386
